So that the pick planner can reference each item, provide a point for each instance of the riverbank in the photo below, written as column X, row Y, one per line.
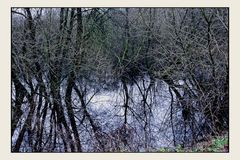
column 218, row 144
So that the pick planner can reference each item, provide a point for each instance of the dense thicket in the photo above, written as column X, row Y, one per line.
column 118, row 79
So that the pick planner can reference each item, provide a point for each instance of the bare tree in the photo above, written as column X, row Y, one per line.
column 118, row 79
